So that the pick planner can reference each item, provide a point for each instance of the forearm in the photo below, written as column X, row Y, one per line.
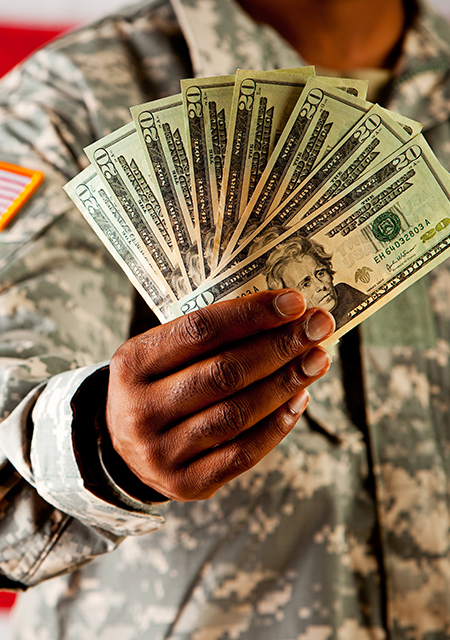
column 43, row 480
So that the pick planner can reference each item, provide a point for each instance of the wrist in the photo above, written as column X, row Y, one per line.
column 104, row 472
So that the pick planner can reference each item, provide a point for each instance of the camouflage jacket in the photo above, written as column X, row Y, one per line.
column 340, row 533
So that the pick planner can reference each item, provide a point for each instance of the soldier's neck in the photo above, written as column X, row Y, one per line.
column 338, row 34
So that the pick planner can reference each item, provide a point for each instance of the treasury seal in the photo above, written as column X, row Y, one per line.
column 386, row 226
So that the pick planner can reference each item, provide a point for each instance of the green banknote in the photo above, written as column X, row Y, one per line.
column 160, row 126
column 321, row 118
column 261, row 105
column 207, row 106
column 88, row 193
column 374, row 137
column 357, row 252
column 118, row 160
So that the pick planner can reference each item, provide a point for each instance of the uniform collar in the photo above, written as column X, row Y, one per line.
column 222, row 37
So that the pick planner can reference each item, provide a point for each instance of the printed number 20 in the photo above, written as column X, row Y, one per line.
column 200, row 301
column 432, row 232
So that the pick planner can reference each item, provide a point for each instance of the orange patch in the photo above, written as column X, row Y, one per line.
column 16, row 186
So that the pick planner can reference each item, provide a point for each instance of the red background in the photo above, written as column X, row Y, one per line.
column 17, row 42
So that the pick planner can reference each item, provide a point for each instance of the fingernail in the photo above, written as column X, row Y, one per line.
column 319, row 325
column 299, row 402
column 289, row 304
column 315, row 361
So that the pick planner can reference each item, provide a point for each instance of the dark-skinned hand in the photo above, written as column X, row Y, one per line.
column 197, row 401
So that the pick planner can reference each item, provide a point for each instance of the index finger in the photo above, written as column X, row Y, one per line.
column 186, row 339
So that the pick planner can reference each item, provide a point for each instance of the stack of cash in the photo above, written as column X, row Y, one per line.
column 264, row 180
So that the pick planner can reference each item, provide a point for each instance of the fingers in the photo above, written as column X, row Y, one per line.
column 232, row 416
column 192, row 460
column 195, row 402
column 224, row 463
column 209, row 381
column 188, row 338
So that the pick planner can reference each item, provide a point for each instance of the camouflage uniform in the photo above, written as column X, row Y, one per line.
column 340, row 533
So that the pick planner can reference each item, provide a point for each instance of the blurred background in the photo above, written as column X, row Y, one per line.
column 26, row 25
column 443, row 6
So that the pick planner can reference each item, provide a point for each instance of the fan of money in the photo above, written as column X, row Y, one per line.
column 264, row 180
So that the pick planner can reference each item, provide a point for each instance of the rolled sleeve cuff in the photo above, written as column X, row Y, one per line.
column 68, row 471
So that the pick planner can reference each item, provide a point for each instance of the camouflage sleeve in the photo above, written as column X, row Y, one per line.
column 64, row 306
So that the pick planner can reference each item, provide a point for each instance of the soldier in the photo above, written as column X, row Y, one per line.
column 339, row 527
